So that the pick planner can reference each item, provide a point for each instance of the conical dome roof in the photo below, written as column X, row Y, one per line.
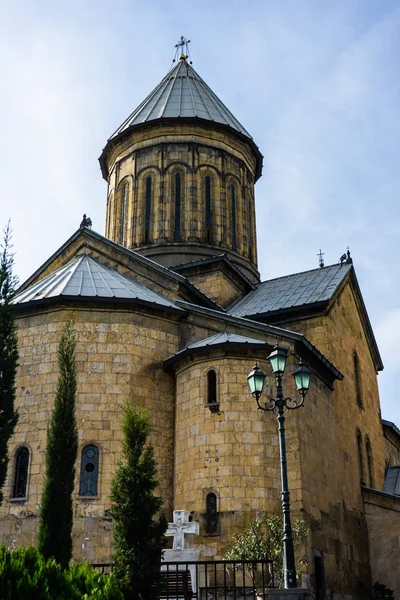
column 182, row 93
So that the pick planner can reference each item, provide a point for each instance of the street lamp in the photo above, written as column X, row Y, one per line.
column 255, row 379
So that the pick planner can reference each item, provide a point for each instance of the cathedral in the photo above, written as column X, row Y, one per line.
column 170, row 314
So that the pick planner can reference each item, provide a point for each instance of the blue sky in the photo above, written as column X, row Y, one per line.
column 316, row 83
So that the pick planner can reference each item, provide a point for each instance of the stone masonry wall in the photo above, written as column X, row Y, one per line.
column 383, row 520
column 119, row 359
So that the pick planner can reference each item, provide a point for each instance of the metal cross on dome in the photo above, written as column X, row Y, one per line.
column 182, row 47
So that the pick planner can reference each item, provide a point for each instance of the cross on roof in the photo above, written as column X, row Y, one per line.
column 183, row 47
column 181, row 527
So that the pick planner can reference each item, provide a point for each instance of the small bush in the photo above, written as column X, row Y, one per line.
column 26, row 575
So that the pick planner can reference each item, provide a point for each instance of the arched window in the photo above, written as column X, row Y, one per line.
column 89, row 471
column 208, row 207
column 21, row 473
column 123, row 213
column 249, row 227
column 211, row 513
column 147, row 211
column 177, row 231
column 233, row 217
column 211, row 387
column 360, row 457
column 357, row 378
column 368, row 449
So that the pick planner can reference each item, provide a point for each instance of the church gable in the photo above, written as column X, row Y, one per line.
column 123, row 261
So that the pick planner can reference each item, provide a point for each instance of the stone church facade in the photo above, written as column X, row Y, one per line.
column 170, row 314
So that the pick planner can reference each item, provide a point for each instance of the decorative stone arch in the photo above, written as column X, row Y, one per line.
column 370, row 461
column 357, row 378
column 360, row 456
column 234, row 218
column 123, row 208
column 176, row 225
column 89, row 470
column 21, row 467
column 109, row 216
column 208, row 182
column 146, row 220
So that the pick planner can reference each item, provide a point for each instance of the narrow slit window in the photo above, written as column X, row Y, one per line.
column 177, row 232
column 123, row 212
column 208, row 208
column 249, row 228
column 211, row 387
column 233, row 217
column 368, row 448
column 211, row 513
column 148, row 211
column 89, row 471
column 360, row 457
column 21, row 473
column 357, row 378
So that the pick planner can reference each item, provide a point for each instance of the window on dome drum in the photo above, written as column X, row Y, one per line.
column 208, row 207
column 357, row 378
column 233, row 217
column 368, row 449
column 123, row 213
column 148, row 211
column 177, row 232
column 89, row 471
column 249, row 230
column 211, row 513
column 360, row 457
column 21, row 473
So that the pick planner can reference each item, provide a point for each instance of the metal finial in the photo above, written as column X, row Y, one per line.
column 86, row 222
column 182, row 48
column 349, row 260
column 321, row 258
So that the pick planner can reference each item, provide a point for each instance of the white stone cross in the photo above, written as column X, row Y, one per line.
column 181, row 527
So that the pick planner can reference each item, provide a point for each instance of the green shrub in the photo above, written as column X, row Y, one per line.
column 26, row 575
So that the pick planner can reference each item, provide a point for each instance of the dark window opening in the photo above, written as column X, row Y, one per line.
column 211, row 387
column 233, row 215
column 357, row 378
column 208, row 208
column 319, row 575
column 123, row 213
column 250, row 231
column 211, row 513
column 21, row 473
column 177, row 232
column 368, row 448
column 360, row 457
column 148, row 211
column 89, row 471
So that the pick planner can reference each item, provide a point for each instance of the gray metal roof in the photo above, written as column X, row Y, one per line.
column 392, row 481
column 85, row 277
column 292, row 291
column 224, row 338
column 217, row 341
column 182, row 93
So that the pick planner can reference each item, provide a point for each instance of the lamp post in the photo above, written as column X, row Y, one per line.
column 256, row 378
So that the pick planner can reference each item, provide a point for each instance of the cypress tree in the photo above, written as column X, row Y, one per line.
column 55, row 530
column 8, row 354
column 138, row 530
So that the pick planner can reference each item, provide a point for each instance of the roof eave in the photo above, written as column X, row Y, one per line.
column 112, row 142
column 169, row 362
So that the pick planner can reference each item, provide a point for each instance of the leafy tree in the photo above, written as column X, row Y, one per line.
column 262, row 540
column 8, row 354
column 55, row 531
column 138, row 530
column 26, row 575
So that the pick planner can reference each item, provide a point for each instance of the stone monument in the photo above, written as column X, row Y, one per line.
column 180, row 528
